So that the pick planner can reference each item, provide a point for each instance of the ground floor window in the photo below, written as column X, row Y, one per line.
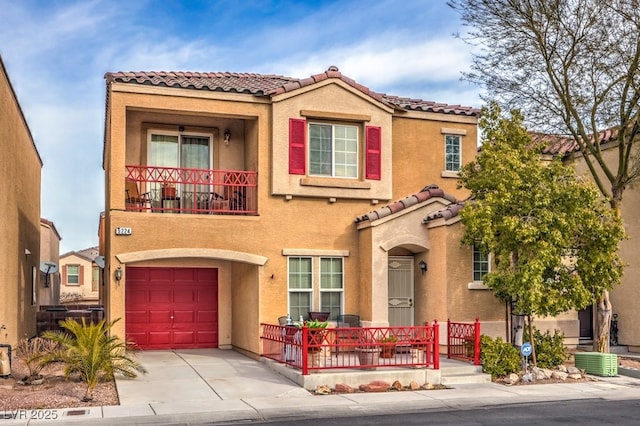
column 480, row 264
column 304, row 296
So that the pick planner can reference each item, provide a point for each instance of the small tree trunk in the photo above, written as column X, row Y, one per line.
column 533, row 343
column 601, row 342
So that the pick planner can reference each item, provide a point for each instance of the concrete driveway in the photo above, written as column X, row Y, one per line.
column 200, row 377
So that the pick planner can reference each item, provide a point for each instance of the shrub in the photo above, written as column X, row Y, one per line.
column 499, row 358
column 87, row 349
column 31, row 352
column 550, row 350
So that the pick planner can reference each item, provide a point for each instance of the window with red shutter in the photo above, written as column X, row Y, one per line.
column 297, row 146
column 373, row 153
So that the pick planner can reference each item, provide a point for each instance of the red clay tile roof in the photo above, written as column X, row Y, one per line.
column 272, row 85
column 425, row 193
column 447, row 213
column 560, row 145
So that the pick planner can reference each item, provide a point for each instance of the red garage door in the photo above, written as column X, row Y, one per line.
column 172, row 308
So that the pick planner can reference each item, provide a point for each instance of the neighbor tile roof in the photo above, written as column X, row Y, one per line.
column 272, row 85
column 425, row 193
column 560, row 145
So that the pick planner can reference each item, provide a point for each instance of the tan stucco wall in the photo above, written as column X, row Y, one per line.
column 49, row 252
column 419, row 147
column 20, row 170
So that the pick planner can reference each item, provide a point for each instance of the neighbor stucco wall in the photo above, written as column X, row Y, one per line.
column 20, row 170
column 625, row 296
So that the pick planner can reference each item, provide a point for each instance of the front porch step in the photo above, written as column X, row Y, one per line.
column 457, row 373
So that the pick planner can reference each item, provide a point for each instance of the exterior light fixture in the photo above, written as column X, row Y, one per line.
column 227, row 136
column 118, row 273
column 423, row 266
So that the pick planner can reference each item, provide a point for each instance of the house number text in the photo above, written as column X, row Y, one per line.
column 123, row 231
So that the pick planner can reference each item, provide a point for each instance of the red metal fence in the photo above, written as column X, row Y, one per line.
column 181, row 190
column 362, row 348
column 463, row 341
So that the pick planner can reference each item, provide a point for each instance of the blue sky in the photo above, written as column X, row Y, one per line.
column 57, row 52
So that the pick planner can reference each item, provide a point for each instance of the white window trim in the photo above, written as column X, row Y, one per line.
column 164, row 132
column 478, row 285
column 451, row 173
column 66, row 278
column 290, row 290
column 316, row 291
column 322, row 290
column 359, row 149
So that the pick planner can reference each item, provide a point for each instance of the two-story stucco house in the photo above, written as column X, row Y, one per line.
column 80, row 276
column 21, row 165
column 234, row 199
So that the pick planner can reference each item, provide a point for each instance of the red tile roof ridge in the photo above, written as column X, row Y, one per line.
column 555, row 144
column 424, row 194
column 273, row 84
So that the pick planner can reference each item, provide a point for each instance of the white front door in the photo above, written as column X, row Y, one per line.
column 400, row 291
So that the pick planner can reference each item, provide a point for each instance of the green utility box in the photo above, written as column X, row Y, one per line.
column 598, row 363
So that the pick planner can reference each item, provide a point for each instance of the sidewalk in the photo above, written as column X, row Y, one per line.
column 197, row 386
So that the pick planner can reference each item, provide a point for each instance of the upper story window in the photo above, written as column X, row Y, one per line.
column 480, row 264
column 333, row 150
column 453, row 153
column 73, row 275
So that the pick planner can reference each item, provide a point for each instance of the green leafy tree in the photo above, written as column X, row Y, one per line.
column 573, row 67
column 553, row 238
column 88, row 350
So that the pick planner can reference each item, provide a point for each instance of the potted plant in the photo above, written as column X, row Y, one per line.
column 368, row 351
column 316, row 331
column 388, row 346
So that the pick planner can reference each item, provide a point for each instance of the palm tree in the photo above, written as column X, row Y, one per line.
column 89, row 350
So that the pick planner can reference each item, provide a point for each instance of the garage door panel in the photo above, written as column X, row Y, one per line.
column 160, row 296
column 140, row 338
column 158, row 274
column 190, row 295
column 206, row 338
column 159, row 338
column 138, row 317
column 184, row 295
column 207, row 316
column 183, row 316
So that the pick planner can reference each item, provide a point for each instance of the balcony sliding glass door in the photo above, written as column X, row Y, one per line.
column 181, row 188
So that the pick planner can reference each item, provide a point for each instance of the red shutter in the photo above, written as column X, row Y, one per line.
column 64, row 274
column 374, row 151
column 81, row 275
column 297, row 149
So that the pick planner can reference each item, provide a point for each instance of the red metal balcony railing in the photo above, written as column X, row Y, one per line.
column 181, row 190
column 363, row 348
column 463, row 341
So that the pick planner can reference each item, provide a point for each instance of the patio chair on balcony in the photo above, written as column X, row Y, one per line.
column 218, row 203
column 349, row 336
column 134, row 199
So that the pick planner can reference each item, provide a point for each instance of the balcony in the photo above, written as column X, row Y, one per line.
column 195, row 191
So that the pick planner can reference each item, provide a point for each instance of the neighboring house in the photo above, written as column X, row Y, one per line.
column 49, row 282
column 20, row 172
column 80, row 276
column 233, row 199
column 623, row 297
